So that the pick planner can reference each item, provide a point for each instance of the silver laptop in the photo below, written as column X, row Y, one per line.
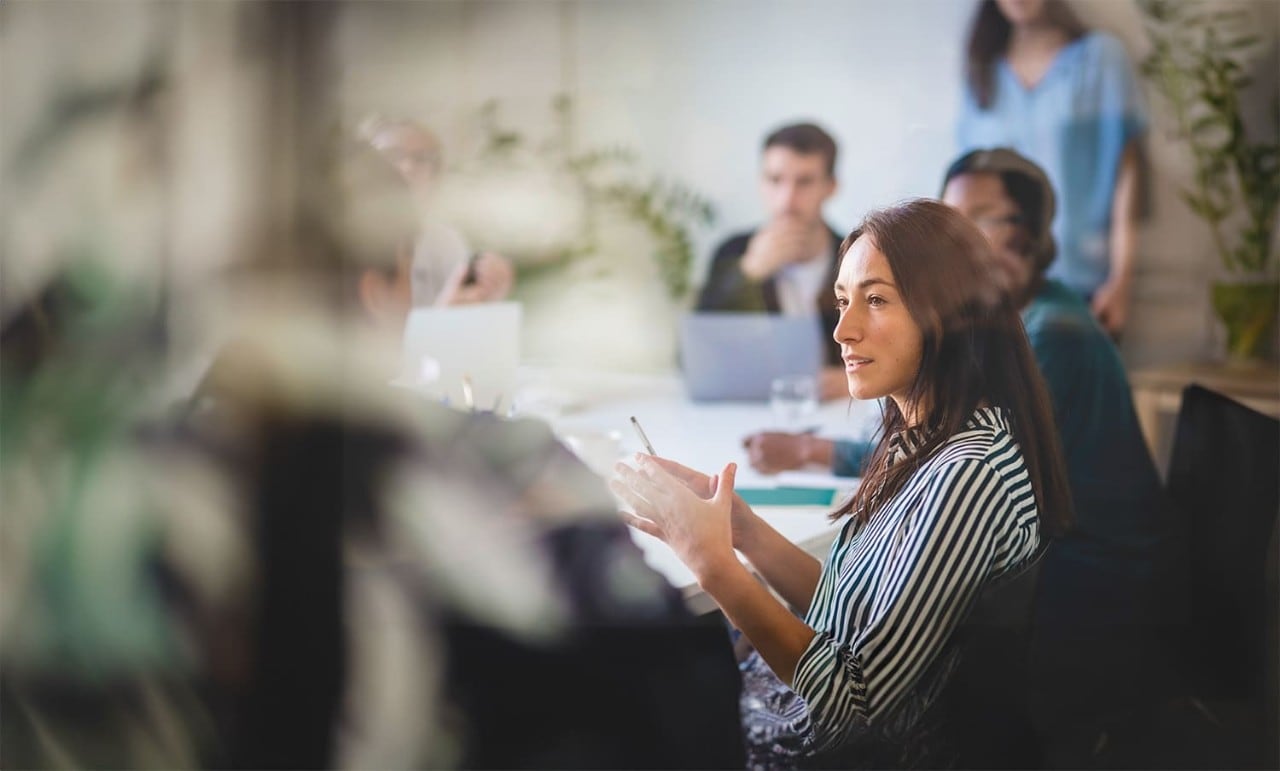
column 736, row 356
column 479, row 343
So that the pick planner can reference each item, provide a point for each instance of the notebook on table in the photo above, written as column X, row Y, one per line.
column 479, row 343
column 736, row 356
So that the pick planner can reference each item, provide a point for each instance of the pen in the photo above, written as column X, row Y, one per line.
column 643, row 439
column 470, row 277
column 468, row 398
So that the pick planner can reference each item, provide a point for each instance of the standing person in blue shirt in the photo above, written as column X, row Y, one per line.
column 1065, row 97
column 1106, row 578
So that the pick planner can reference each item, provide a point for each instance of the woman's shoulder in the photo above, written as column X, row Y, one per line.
column 982, row 449
column 985, row 431
column 1103, row 48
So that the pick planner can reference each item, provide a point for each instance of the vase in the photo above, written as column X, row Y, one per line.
column 1247, row 307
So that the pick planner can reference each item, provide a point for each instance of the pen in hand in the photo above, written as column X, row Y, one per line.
column 643, row 439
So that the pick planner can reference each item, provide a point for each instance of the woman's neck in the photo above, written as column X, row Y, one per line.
column 1036, row 37
column 912, row 412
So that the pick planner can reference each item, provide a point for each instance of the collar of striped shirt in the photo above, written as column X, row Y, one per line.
column 907, row 441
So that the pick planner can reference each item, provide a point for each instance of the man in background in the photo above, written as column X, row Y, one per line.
column 788, row 265
column 445, row 269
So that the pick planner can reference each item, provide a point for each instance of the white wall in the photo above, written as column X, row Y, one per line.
column 694, row 85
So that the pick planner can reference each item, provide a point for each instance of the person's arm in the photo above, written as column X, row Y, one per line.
column 772, row 451
column 726, row 287
column 848, row 457
column 1111, row 301
column 789, row 570
column 776, row 633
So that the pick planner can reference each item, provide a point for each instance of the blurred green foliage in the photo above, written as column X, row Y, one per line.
column 1201, row 52
column 610, row 178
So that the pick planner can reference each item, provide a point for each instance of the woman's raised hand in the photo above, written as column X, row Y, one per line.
column 704, row 486
column 691, row 512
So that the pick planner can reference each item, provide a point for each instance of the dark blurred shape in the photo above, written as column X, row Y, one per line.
column 1219, row 710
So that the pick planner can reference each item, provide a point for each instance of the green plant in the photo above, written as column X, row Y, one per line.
column 1199, row 64
column 608, row 178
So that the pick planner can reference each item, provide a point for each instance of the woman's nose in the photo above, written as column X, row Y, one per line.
column 848, row 327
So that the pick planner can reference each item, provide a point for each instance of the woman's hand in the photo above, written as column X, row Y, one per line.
column 704, row 486
column 486, row 278
column 697, row 527
column 774, row 451
column 1111, row 306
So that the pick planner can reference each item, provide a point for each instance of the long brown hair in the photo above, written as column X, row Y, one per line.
column 989, row 40
column 975, row 353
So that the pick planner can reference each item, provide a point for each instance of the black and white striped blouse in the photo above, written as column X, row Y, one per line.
column 892, row 591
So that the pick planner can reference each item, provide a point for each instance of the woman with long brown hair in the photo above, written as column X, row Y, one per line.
column 1039, row 82
column 965, row 482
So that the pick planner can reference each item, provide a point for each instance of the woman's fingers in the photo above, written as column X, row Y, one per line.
column 724, row 485
column 700, row 484
column 694, row 480
column 647, row 497
column 629, row 495
column 642, row 524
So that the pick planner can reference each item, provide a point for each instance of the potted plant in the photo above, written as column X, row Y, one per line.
column 1199, row 64
column 592, row 231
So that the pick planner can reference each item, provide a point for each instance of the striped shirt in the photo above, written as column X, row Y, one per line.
column 892, row 591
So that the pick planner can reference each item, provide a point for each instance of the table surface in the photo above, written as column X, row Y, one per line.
column 591, row 412
column 1257, row 381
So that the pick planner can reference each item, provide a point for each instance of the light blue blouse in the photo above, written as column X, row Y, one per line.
column 1075, row 123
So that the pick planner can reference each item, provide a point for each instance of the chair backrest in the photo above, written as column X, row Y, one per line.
column 1223, row 484
column 987, row 696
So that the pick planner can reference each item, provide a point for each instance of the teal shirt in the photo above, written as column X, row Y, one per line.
column 1114, row 483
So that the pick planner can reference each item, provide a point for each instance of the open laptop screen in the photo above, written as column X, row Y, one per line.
column 480, row 342
column 735, row 356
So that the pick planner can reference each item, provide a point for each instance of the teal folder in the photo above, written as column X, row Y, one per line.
column 787, row 496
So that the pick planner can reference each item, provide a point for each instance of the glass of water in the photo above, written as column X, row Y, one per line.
column 793, row 398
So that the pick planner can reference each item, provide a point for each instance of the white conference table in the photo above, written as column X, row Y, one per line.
column 591, row 411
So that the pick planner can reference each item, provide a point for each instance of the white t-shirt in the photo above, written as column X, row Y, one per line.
column 799, row 283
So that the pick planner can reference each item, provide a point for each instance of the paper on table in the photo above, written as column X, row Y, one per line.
column 814, row 479
column 787, row 496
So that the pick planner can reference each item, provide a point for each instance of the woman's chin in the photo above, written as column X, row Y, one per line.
column 862, row 391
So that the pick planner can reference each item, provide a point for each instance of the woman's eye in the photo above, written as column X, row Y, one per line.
column 841, row 303
column 875, row 301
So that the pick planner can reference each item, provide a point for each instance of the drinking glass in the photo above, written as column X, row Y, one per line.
column 793, row 399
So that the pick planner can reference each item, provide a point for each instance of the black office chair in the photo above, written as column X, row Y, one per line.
column 987, row 696
column 1222, row 484
column 980, row 717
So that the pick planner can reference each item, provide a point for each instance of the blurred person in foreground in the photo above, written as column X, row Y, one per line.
column 445, row 269
column 788, row 264
column 1105, row 585
column 506, row 546
column 308, row 569
column 965, row 483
